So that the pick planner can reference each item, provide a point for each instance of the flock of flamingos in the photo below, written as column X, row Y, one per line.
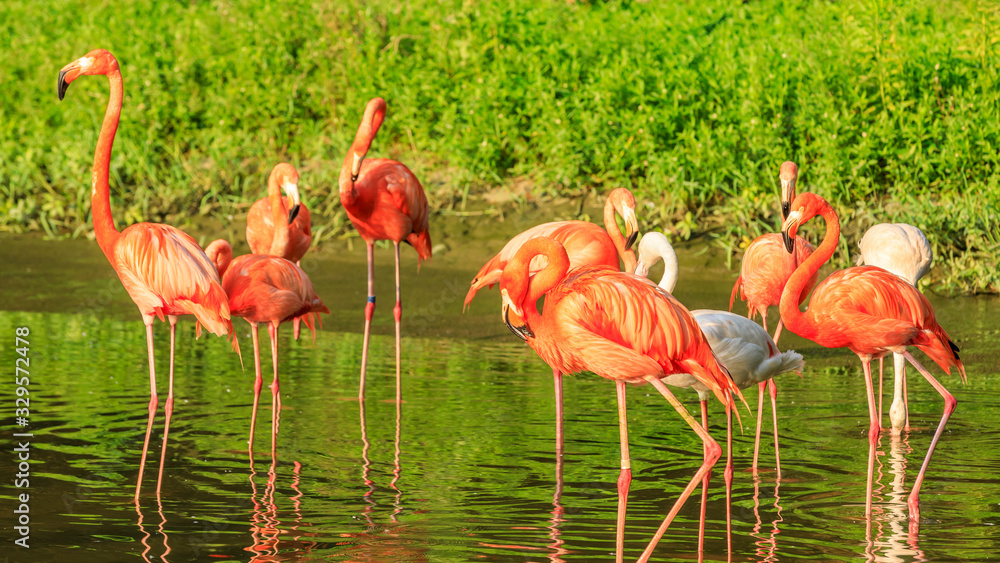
column 596, row 318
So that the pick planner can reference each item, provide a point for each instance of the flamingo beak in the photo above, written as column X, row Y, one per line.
column 631, row 226
column 292, row 190
column 356, row 167
column 787, row 196
column 69, row 73
column 521, row 331
column 789, row 228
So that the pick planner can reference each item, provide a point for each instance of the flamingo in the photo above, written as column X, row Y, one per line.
column 384, row 201
column 903, row 250
column 587, row 245
column 162, row 268
column 268, row 230
column 618, row 326
column 763, row 272
column 872, row 313
column 743, row 347
column 265, row 289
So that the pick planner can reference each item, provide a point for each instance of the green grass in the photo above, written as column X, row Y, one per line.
column 891, row 110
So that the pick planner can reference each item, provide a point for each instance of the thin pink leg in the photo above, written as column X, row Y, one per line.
column 714, row 452
column 873, row 430
column 152, row 403
column 729, row 484
column 777, row 331
column 773, row 387
column 625, row 476
column 704, row 489
column 880, row 389
column 369, row 310
column 258, row 384
column 560, row 439
column 761, row 391
column 949, row 407
column 169, row 408
column 397, row 313
column 272, row 331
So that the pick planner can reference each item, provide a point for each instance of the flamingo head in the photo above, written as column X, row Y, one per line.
column 98, row 61
column 624, row 203
column 517, row 325
column 805, row 207
column 370, row 123
column 286, row 176
column 788, row 174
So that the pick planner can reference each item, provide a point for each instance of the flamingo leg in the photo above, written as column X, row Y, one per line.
column 258, row 384
column 625, row 476
column 777, row 331
column 774, row 415
column 761, row 390
column 704, row 489
column 898, row 414
column 369, row 310
column 272, row 331
column 560, row 440
column 949, row 407
column 880, row 389
column 713, row 454
column 906, row 403
column 729, row 484
column 297, row 321
column 152, row 402
column 873, row 430
column 169, row 407
column 397, row 314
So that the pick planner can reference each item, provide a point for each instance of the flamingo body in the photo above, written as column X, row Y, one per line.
column 391, row 205
column 764, row 271
column 899, row 248
column 267, row 217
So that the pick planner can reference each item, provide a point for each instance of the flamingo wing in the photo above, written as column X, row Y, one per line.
column 621, row 325
column 166, row 273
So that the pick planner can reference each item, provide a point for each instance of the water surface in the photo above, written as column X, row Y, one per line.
column 474, row 477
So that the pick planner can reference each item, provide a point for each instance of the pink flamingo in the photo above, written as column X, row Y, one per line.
column 619, row 326
column 872, row 313
column 265, row 289
column 163, row 269
column 763, row 272
column 384, row 201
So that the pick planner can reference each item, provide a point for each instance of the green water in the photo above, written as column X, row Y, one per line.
column 474, row 476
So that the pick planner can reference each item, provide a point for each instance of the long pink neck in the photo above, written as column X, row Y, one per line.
column 279, row 218
column 611, row 226
column 100, row 192
column 800, row 323
column 544, row 280
column 370, row 123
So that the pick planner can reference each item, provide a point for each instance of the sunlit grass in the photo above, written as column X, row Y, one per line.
column 890, row 109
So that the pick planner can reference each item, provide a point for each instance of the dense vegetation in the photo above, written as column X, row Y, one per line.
column 891, row 109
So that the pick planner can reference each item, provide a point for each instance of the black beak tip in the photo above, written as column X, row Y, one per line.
column 631, row 240
column 522, row 332
column 786, row 208
column 292, row 213
column 62, row 85
column 789, row 241
column 354, row 177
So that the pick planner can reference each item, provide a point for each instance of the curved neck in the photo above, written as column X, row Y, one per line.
column 670, row 269
column 795, row 320
column 220, row 253
column 611, row 226
column 370, row 123
column 279, row 218
column 544, row 280
column 100, row 192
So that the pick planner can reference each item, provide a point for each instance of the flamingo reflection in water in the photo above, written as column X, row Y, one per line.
column 901, row 542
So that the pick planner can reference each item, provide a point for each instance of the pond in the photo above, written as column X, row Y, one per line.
column 465, row 470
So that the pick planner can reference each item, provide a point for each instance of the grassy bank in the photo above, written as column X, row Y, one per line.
column 892, row 110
